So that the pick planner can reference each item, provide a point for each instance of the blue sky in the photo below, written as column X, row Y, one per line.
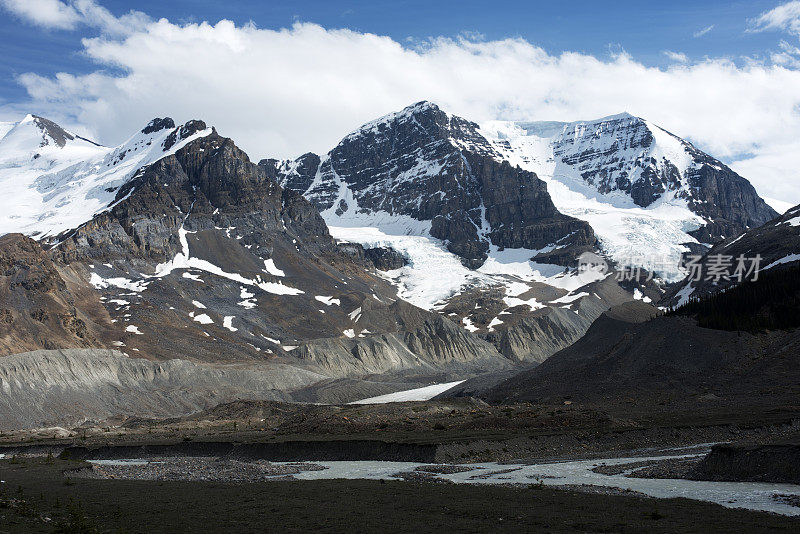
column 643, row 29
column 724, row 75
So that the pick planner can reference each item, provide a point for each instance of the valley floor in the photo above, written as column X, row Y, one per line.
column 439, row 431
column 36, row 497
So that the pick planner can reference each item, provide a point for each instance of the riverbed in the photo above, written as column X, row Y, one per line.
column 580, row 474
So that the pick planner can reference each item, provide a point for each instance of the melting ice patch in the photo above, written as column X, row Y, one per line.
column 786, row 259
column 133, row 329
column 202, row 318
column 123, row 283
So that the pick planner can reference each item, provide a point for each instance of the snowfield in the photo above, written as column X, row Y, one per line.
column 418, row 394
column 49, row 189
column 651, row 237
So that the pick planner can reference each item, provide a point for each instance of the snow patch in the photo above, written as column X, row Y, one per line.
column 227, row 322
column 203, row 319
column 99, row 282
column 786, row 259
column 328, row 301
column 269, row 267
column 411, row 395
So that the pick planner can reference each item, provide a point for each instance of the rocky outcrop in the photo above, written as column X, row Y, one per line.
column 296, row 175
column 385, row 258
column 55, row 134
column 40, row 308
column 206, row 185
column 729, row 204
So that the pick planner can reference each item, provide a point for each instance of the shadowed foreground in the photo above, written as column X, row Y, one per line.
column 35, row 488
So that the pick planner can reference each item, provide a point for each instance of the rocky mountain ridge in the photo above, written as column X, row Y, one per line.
column 200, row 255
column 419, row 254
column 645, row 191
column 435, row 168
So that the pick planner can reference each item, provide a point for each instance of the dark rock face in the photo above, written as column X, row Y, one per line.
column 185, row 131
column 385, row 258
column 158, row 124
column 600, row 152
column 296, row 175
column 208, row 184
column 431, row 166
column 727, row 201
column 52, row 132
column 24, row 264
column 776, row 243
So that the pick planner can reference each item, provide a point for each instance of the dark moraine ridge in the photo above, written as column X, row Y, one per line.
column 285, row 451
column 751, row 463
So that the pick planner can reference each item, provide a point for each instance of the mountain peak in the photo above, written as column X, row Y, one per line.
column 422, row 107
column 51, row 133
column 158, row 124
column 618, row 116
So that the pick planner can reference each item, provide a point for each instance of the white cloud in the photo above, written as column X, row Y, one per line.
column 789, row 55
column 784, row 17
column 51, row 14
column 700, row 33
column 279, row 93
column 55, row 14
column 678, row 57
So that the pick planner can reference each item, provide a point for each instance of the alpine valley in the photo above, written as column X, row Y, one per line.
column 422, row 249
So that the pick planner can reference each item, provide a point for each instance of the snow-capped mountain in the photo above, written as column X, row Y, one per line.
column 434, row 168
column 54, row 180
column 483, row 242
column 176, row 245
column 649, row 195
column 193, row 249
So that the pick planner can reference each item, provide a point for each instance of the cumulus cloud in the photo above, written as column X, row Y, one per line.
column 700, row 33
column 784, row 17
column 51, row 14
column 279, row 93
